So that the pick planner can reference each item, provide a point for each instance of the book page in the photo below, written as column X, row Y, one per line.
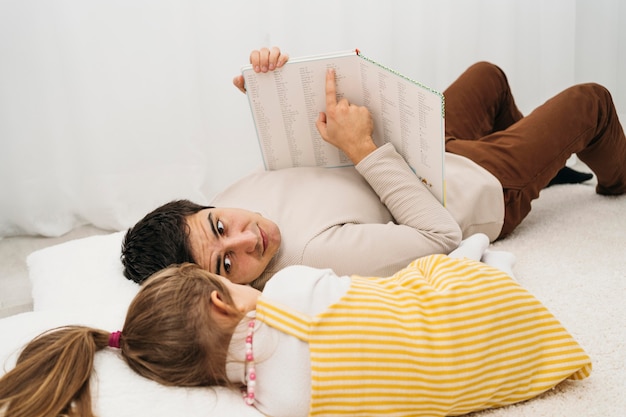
column 410, row 116
column 285, row 104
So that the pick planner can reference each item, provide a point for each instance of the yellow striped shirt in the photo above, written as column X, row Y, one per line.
column 441, row 337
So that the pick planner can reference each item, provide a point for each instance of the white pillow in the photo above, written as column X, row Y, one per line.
column 81, row 282
column 81, row 275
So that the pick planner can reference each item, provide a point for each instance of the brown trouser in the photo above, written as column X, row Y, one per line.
column 525, row 153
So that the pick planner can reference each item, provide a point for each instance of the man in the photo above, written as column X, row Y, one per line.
column 373, row 218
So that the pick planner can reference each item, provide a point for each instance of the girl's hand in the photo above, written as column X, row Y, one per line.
column 262, row 60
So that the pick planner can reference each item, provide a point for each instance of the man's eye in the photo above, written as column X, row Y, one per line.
column 220, row 227
column 227, row 264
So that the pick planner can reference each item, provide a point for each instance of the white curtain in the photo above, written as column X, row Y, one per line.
column 109, row 108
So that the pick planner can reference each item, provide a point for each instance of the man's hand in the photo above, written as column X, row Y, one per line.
column 262, row 60
column 347, row 126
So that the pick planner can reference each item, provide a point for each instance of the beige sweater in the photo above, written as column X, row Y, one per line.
column 372, row 219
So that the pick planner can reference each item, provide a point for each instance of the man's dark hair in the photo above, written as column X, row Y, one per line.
column 158, row 240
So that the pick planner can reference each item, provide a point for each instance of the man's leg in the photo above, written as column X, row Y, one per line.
column 528, row 154
column 606, row 153
column 480, row 102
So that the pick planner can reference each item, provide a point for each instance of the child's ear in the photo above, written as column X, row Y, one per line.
column 220, row 306
column 218, row 303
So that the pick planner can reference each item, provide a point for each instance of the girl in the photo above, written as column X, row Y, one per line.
column 444, row 336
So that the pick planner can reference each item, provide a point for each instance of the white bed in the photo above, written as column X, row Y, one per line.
column 570, row 253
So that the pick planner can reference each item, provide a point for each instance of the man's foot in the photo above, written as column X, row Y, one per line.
column 568, row 175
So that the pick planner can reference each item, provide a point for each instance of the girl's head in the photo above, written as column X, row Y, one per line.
column 177, row 332
column 173, row 334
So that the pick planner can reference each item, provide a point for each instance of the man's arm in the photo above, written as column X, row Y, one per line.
column 349, row 127
column 422, row 226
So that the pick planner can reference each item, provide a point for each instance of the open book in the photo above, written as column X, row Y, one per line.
column 285, row 104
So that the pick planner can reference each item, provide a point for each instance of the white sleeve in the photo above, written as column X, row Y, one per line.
column 476, row 247
column 305, row 289
column 472, row 247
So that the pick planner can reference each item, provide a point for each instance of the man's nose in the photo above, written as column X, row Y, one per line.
column 245, row 241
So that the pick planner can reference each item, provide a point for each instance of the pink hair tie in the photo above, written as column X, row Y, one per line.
column 114, row 339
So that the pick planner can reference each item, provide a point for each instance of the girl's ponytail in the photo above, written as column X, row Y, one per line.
column 52, row 374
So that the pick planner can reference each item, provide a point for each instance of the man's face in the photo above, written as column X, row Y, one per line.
column 234, row 243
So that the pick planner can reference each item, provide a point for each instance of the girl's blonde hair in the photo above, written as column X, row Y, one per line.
column 169, row 336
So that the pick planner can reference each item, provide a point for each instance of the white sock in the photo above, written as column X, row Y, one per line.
column 502, row 260
column 473, row 247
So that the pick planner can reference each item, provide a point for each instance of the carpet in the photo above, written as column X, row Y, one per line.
column 570, row 254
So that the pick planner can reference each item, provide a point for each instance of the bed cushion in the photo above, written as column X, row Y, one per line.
column 81, row 275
